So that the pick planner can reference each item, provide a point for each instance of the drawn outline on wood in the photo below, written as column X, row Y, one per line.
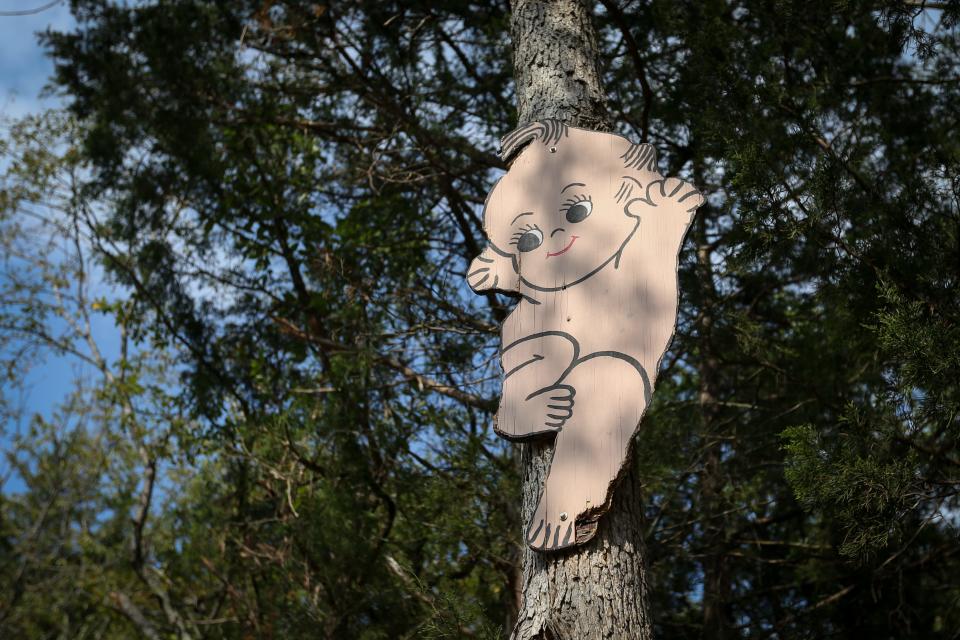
column 587, row 232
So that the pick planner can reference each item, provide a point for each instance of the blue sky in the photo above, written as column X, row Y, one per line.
column 23, row 68
column 24, row 71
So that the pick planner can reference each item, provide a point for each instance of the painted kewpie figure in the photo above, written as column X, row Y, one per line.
column 588, row 233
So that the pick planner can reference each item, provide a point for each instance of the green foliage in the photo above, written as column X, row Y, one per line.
column 864, row 493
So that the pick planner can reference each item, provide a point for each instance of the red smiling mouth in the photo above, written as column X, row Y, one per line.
column 565, row 249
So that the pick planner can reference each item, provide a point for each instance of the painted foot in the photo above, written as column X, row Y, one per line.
column 547, row 535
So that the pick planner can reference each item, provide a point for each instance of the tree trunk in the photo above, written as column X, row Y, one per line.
column 716, row 575
column 597, row 590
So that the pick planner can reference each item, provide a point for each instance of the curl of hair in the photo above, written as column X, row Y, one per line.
column 549, row 132
column 640, row 156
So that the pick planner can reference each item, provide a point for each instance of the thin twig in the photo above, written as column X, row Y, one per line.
column 29, row 12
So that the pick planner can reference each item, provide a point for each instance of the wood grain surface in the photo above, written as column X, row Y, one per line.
column 587, row 232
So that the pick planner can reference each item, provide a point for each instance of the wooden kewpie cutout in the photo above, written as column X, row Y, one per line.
column 588, row 233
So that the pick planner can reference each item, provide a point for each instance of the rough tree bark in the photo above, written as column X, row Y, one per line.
column 599, row 590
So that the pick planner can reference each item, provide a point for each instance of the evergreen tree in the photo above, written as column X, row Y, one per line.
column 288, row 195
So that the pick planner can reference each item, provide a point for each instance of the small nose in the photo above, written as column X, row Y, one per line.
column 554, row 232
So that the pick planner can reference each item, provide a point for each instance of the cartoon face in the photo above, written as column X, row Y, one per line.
column 558, row 215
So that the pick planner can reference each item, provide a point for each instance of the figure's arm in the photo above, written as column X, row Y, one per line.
column 666, row 212
column 532, row 401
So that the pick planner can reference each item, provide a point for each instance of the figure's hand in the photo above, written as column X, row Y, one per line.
column 675, row 194
column 491, row 271
column 670, row 195
column 480, row 275
column 553, row 406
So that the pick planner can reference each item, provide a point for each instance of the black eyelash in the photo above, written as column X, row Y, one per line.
column 515, row 238
column 569, row 202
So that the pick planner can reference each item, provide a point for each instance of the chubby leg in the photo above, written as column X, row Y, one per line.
column 590, row 450
column 533, row 402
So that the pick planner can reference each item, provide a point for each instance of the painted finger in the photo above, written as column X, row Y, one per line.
column 673, row 185
column 655, row 192
column 481, row 281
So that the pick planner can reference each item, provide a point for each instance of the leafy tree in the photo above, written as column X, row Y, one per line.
column 286, row 196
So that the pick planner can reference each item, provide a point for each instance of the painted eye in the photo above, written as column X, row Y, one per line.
column 530, row 240
column 578, row 212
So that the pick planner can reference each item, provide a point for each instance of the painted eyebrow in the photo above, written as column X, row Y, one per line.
column 525, row 213
column 572, row 184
